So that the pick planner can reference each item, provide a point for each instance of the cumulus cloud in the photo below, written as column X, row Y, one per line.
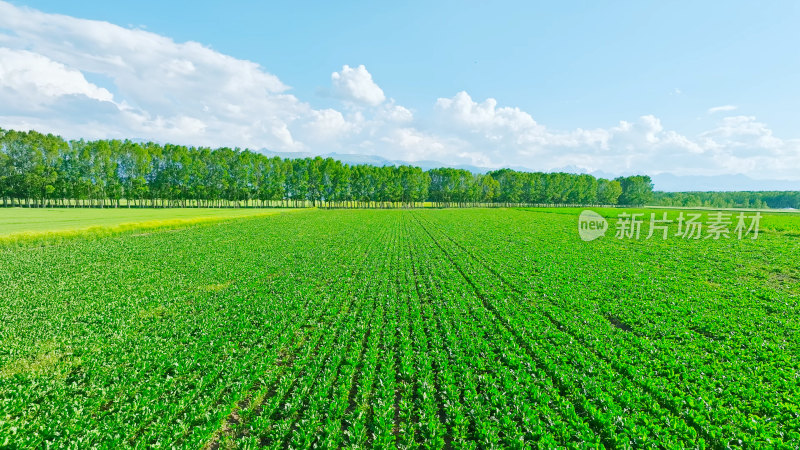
column 723, row 108
column 162, row 89
column 648, row 134
column 743, row 135
column 38, row 79
column 329, row 125
column 509, row 136
column 92, row 79
column 486, row 117
column 356, row 85
column 394, row 113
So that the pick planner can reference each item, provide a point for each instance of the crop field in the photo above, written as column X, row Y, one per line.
column 463, row 328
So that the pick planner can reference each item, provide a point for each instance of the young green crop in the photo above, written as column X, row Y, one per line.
column 416, row 329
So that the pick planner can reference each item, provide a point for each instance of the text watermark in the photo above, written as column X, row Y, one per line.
column 717, row 225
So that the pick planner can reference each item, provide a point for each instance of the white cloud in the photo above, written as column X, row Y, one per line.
column 91, row 79
column 414, row 145
column 329, row 125
column 510, row 136
column 394, row 113
column 741, row 135
column 356, row 85
column 41, row 80
column 162, row 89
column 647, row 134
column 723, row 108
column 144, row 85
column 486, row 117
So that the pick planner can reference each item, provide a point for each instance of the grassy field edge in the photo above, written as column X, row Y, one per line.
column 25, row 238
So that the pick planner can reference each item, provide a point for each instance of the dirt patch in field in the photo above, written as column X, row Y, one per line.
column 614, row 320
column 216, row 287
column 704, row 332
column 154, row 313
column 782, row 280
column 47, row 362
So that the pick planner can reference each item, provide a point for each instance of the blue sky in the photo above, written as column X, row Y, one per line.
column 611, row 86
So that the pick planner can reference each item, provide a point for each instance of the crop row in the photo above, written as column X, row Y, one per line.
column 728, row 395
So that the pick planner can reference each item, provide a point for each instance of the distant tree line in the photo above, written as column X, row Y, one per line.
column 740, row 199
column 38, row 170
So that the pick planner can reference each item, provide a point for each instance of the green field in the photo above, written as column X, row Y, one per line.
column 40, row 224
column 16, row 220
column 476, row 328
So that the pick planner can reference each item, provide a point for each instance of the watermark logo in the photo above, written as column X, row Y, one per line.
column 591, row 225
column 686, row 226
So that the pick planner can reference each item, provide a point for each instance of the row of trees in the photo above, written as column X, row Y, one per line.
column 741, row 199
column 45, row 170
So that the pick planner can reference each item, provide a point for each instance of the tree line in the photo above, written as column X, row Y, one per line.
column 38, row 170
column 740, row 199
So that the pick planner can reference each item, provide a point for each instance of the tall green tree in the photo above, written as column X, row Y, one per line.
column 608, row 191
column 636, row 190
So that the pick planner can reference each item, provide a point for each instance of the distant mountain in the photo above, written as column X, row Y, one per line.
column 666, row 182
column 575, row 170
column 379, row 161
column 290, row 155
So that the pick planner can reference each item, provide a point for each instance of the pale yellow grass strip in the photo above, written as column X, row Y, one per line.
column 26, row 237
